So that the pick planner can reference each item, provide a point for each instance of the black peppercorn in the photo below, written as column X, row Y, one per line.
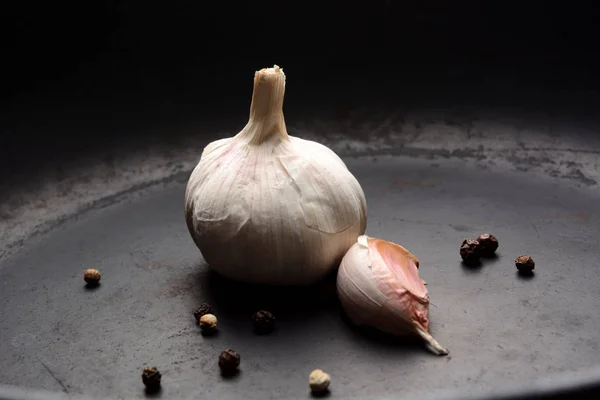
column 229, row 361
column 488, row 243
column 204, row 309
column 525, row 264
column 151, row 378
column 470, row 251
column 263, row 322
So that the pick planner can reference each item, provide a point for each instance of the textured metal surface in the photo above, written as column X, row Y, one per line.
column 92, row 169
column 501, row 329
column 42, row 192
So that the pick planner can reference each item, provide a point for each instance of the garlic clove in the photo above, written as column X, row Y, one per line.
column 378, row 285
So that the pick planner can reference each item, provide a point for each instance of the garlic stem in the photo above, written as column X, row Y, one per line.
column 266, row 111
column 438, row 348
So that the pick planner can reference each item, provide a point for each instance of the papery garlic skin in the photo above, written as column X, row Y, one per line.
column 265, row 207
column 378, row 285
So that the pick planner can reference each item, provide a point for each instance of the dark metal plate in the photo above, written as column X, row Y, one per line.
column 502, row 329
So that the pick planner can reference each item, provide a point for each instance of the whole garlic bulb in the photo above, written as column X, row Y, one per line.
column 378, row 285
column 266, row 207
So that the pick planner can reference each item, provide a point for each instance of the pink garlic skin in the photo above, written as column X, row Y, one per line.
column 378, row 285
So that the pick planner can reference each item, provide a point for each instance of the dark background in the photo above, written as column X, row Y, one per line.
column 51, row 40
column 114, row 68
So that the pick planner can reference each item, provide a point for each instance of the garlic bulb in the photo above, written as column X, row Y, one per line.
column 379, row 286
column 266, row 207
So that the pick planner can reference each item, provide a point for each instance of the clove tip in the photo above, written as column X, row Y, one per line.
column 435, row 346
